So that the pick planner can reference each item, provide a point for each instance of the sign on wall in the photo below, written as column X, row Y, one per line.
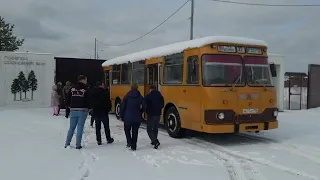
column 24, row 78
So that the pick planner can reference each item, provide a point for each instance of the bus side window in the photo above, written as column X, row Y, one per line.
column 173, row 69
column 193, row 70
column 115, row 74
column 126, row 74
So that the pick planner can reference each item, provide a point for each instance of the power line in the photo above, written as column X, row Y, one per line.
column 148, row 31
column 274, row 5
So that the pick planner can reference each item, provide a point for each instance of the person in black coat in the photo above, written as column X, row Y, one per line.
column 153, row 104
column 78, row 99
column 101, row 106
column 60, row 93
column 131, row 114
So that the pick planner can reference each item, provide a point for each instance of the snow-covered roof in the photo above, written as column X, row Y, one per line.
column 25, row 53
column 180, row 46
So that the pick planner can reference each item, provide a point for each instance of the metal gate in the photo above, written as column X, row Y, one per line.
column 313, row 98
column 296, row 85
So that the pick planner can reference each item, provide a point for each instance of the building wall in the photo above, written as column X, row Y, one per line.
column 278, row 81
column 13, row 64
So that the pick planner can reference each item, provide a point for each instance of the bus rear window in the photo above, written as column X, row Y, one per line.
column 222, row 70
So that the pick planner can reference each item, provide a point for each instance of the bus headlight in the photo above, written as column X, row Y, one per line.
column 275, row 113
column 220, row 116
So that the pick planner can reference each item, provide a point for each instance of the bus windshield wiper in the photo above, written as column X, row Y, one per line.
column 235, row 82
column 262, row 82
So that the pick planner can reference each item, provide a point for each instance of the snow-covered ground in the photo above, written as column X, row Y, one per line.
column 32, row 143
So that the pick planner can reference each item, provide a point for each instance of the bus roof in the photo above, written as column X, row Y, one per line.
column 179, row 47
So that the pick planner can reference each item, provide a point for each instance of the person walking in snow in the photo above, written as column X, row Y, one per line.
column 60, row 93
column 65, row 91
column 153, row 104
column 78, row 100
column 55, row 100
column 101, row 106
column 131, row 114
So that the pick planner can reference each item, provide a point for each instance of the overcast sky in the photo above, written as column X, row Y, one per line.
column 68, row 27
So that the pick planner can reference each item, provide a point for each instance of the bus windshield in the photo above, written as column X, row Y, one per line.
column 257, row 70
column 222, row 70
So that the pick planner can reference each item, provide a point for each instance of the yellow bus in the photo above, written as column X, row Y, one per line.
column 215, row 84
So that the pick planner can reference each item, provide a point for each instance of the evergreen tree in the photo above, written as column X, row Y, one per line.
column 24, row 85
column 8, row 42
column 33, row 82
column 15, row 88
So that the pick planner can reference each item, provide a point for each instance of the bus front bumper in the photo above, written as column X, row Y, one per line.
column 244, row 127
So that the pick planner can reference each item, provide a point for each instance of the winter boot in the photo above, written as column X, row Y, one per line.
column 111, row 140
column 156, row 145
column 133, row 147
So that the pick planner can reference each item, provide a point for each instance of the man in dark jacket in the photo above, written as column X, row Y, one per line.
column 78, row 100
column 60, row 93
column 153, row 104
column 101, row 106
column 131, row 114
column 65, row 91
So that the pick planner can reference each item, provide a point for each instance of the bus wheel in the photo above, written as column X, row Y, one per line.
column 117, row 108
column 173, row 123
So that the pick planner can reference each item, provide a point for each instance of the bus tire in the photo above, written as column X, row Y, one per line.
column 117, row 108
column 173, row 123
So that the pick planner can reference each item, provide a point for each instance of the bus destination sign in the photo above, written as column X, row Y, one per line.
column 239, row 49
column 254, row 51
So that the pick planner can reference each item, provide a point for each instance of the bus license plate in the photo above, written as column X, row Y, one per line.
column 250, row 111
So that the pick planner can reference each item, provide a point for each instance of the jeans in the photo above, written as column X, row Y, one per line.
column 152, row 128
column 77, row 119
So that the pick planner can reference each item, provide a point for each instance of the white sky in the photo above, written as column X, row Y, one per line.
column 68, row 28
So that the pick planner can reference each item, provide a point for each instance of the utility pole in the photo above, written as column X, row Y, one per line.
column 191, row 19
column 95, row 48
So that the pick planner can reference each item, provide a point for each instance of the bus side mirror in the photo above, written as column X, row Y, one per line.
column 273, row 70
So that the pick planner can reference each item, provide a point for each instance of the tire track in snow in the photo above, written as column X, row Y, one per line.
column 264, row 162
column 214, row 147
column 233, row 165
column 293, row 149
column 84, row 169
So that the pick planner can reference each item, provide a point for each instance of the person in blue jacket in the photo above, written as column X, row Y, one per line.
column 131, row 114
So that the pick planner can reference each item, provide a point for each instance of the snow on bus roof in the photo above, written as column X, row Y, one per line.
column 179, row 47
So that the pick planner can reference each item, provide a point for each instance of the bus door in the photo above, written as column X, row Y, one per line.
column 107, row 80
column 152, row 76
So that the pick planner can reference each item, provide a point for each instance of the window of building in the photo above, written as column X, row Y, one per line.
column 193, row 70
column 126, row 74
column 138, row 73
column 116, row 74
column 173, row 69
